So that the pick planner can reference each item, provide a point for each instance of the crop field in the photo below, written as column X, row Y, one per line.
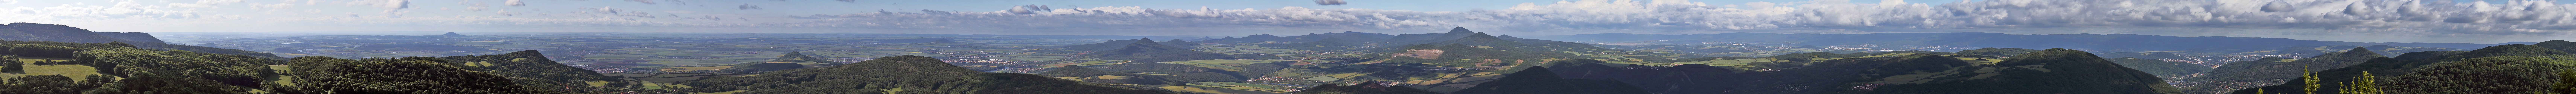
column 77, row 72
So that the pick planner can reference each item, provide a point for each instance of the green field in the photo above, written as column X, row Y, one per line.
column 77, row 72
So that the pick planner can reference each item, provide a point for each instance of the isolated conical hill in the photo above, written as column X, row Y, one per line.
column 794, row 56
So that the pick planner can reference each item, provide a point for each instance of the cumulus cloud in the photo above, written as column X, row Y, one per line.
column 614, row 12
column 746, row 7
column 1330, row 2
column 643, row 1
column 1028, row 9
column 514, row 3
column 397, row 4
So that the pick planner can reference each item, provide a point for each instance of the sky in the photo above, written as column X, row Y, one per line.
column 2444, row 21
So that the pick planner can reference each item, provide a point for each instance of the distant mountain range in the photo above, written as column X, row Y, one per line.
column 2094, row 42
column 61, row 33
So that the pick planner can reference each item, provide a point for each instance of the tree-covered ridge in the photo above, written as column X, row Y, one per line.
column 1540, row 80
column 1901, row 72
column 2563, row 46
column 52, row 32
column 2007, row 52
column 795, row 56
column 528, row 67
column 61, row 33
column 2238, row 75
column 899, row 75
column 2499, row 58
column 326, row 75
column 2096, row 42
column 790, row 60
column 126, row 69
column 2486, row 75
column 2054, row 70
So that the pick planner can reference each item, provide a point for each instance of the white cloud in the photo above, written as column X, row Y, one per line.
column 643, row 1
column 1330, row 2
column 746, row 7
column 396, row 4
column 514, row 3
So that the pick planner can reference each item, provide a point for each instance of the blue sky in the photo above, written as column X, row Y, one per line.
column 2457, row 21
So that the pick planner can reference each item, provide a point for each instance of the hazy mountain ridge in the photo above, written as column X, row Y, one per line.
column 61, row 33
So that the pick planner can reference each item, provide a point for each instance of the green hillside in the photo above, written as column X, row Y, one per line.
column 2248, row 74
column 529, row 67
column 327, row 75
column 2512, row 68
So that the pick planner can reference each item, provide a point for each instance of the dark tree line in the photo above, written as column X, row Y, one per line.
column 407, row 75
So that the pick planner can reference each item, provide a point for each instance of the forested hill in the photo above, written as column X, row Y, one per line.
column 2049, row 71
column 528, row 67
column 61, row 33
column 2244, row 74
column 2098, row 42
column 2514, row 68
column 900, row 75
